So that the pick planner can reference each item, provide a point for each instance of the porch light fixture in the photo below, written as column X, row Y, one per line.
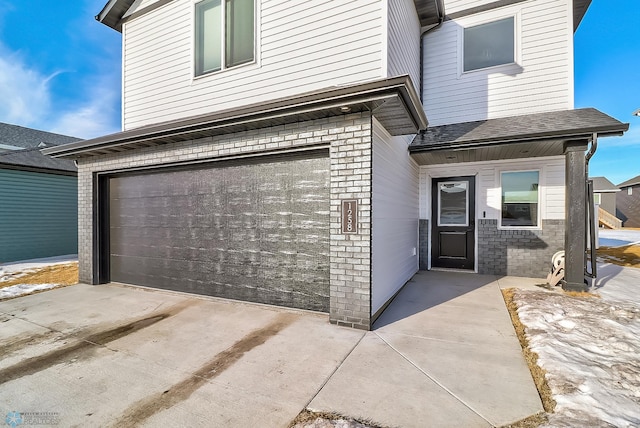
column 345, row 109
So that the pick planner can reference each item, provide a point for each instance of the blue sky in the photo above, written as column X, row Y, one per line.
column 60, row 72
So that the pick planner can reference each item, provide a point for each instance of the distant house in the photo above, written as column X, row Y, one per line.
column 628, row 202
column 38, row 196
column 604, row 194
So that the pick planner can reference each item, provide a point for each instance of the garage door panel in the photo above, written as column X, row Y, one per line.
column 241, row 284
column 256, row 232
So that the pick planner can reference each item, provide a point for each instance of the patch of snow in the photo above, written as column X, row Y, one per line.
column 618, row 237
column 23, row 289
column 15, row 270
column 37, row 263
column 618, row 283
column 589, row 348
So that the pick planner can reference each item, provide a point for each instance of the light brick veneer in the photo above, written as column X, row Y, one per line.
column 349, row 139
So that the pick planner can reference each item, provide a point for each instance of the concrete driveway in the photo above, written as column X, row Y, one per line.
column 122, row 356
column 443, row 354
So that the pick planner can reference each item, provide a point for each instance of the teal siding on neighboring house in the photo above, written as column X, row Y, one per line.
column 38, row 215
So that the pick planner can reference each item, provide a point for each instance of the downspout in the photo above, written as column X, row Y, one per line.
column 590, row 214
column 440, row 11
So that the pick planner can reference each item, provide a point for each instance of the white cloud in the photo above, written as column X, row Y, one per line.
column 93, row 116
column 28, row 100
column 24, row 92
column 631, row 138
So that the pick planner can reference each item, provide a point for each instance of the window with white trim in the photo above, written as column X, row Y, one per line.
column 488, row 45
column 520, row 199
column 224, row 34
column 597, row 198
column 630, row 191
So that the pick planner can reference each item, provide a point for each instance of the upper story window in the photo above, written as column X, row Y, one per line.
column 225, row 34
column 520, row 199
column 488, row 45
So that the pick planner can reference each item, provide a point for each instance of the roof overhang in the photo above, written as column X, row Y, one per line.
column 579, row 10
column 430, row 12
column 630, row 183
column 27, row 168
column 112, row 13
column 533, row 135
column 394, row 102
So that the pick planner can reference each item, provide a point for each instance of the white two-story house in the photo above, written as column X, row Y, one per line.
column 318, row 154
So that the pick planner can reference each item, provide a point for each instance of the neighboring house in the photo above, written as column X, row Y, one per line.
column 604, row 194
column 280, row 152
column 628, row 202
column 38, row 196
column 604, row 197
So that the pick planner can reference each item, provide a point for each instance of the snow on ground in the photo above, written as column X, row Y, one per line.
column 619, row 283
column 589, row 348
column 617, row 237
column 22, row 289
column 16, row 270
column 13, row 270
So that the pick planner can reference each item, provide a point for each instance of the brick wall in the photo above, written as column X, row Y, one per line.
column 350, row 293
column 349, row 138
column 423, row 236
column 518, row 252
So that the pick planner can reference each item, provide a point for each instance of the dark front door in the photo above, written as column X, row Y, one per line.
column 453, row 220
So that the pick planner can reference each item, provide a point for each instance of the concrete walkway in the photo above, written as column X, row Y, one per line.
column 443, row 354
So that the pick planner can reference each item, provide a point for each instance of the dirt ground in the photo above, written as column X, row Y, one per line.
column 63, row 274
column 628, row 255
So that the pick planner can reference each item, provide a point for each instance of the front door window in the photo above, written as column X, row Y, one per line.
column 453, row 201
column 453, row 226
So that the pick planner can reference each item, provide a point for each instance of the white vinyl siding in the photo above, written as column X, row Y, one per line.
column 395, row 216
column 540, row 80
column 489, row 196
column 300, row 47
column 404, row 40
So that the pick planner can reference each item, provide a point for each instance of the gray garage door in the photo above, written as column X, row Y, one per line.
column 256, row 231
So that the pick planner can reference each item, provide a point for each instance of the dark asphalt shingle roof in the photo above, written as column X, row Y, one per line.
column 602, row 184
column 32, row 141
column 631, row 182
column 35, row 159
column 532, row 127
column 19, row 136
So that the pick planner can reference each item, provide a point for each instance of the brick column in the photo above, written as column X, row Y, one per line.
column 350, row 255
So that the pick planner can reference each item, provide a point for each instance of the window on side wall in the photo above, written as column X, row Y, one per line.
column 225, row 34
column 520, row 199
column 489, row 45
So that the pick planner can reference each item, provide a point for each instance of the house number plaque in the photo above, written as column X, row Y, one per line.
column 349, row 216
